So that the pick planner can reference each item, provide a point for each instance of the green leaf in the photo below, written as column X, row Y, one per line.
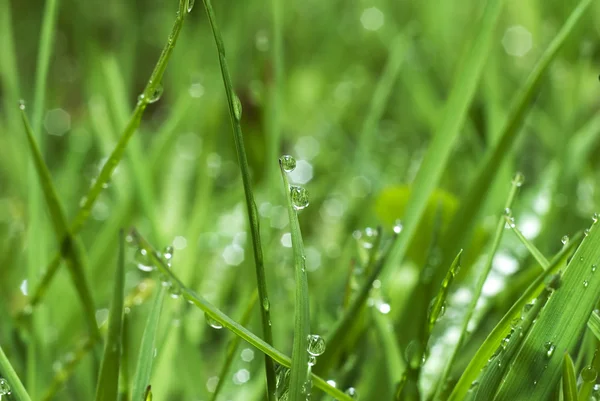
column 569, row 379
column 214, row 313
column 560, row 323
column 299, row 369
column 145, row 360
column 235, row 113
column 480, row 359
column 108, row 381
column 59, row 220
column 8, row 373
column 594, row 324
column 437, row 303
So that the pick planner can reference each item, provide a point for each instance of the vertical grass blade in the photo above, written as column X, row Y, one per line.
column 437, row 304
column 235, row 112
column 108, row 381
column 61, row 231
column 8, row 373
column 569, row 379
column 228, row 323
column 464, row 219
column 117, row 153
column 299, row 370
column 560, row 323
column 455, row 112
column 594, row 324
column 145, row 361
column 516, row 183
column 480, row 359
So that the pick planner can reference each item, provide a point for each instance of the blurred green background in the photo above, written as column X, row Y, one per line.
column 354, row 90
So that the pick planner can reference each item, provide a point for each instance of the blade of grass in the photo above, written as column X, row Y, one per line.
column 108, row 381
column 516, row 183
column 536, row 253
column 299, row 370
column 438, row 303
column 594, row 324
column 560, row 323
column 61, row 231
column 228, row 323
column 464, row 220
column 235, row 113
column 569, row 380
column 9, row 374
column 145, row 360
column 233, row 346
column 117, row 154
column 502, row 328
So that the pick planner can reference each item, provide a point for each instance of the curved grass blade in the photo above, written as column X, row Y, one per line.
column 536, row 253
column 503, row 327
column 61, row 231
column 437, row 304
column 594, row 324
column 560, row 323
column 145, row 360
column 235, row 112
column 569, row 380
column 464, row 220
column 108, row 381
column 117, row 154
column 299, row 370
column 516, row 183
column 228, row 323
column 233, row 346
column 8, row 373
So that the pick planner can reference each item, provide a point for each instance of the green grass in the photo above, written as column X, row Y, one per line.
column 430, row 273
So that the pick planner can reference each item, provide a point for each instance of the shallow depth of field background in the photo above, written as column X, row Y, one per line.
column 179, row 183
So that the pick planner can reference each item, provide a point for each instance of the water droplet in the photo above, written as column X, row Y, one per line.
column 156, row 94
column 595, row 217
column 212, row 322
column 237, row 107
column 288, row 163
column 594, row 267
column 586, row 232
column 510, row 222
column 474, row 385
column 4, row 387
column 351, row 391
column 175, row 292
column 142, row 260
column 168, row 252
column 190, row 5
column 141, row 98
column 398, row 227
column 266, row 304
column 518, row 179
column 299, row 197
column 312, row 360
column 585, row 283
column 549, row 347
column 589, row 374
column 316, row 345
column 22, row 104
column 507, row 211
column 565, row 239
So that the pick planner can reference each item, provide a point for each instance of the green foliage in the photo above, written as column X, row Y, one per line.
column 408, row 122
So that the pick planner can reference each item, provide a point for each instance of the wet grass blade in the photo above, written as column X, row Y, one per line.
column 145, row 361
column 61, row 231
column 516, row 183
column 438, row 303
column 594, row 324
column 481, row 358
column 299, row 370
column 228, row 323
column 536, row 253
column 560, row 323
column 8, row 373
column 464, row 220
column 455, row 113
column 235, row 112
column 117, row 153
column 569, row 379
column 108, row 381
column 233, row 346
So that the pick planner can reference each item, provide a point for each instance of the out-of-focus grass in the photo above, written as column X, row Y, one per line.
column 355, row 91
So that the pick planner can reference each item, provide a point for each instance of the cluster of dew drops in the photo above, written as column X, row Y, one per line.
column 4, row 388
column 299, row 195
